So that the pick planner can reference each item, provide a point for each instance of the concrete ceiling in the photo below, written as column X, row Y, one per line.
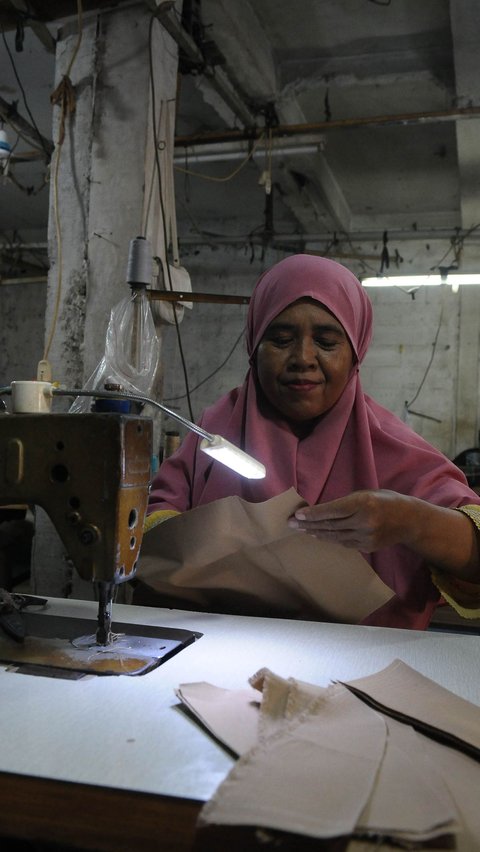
column 363, row 115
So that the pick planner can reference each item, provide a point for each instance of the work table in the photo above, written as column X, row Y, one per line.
column 114, row 762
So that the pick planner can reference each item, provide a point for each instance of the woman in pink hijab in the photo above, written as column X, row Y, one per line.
column 370, row 481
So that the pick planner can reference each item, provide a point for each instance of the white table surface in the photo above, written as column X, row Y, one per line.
column 130, row 733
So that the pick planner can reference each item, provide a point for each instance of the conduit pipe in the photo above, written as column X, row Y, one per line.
column 281, row 130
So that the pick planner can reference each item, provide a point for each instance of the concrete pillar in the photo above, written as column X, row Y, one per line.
column 98, row 195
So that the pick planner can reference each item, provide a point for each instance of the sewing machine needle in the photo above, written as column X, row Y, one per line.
column 104, row 620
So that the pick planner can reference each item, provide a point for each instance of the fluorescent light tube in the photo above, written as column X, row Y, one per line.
column 223, row 451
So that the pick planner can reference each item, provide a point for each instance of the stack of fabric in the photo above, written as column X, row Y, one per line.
column 392, row 758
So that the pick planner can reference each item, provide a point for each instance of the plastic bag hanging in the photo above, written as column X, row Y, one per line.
column 132, row 348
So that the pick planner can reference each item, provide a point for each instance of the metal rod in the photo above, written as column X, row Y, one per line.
column 323, row 126
column 185, row 296
column 133, row 397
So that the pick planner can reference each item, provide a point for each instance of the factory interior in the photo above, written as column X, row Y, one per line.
column 157, row 157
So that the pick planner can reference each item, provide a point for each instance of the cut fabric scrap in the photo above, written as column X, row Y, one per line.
column 291, row 780
column 313, row 754
column 409, row 696
column 410, row 802
column 283, row 699
column 230, row 715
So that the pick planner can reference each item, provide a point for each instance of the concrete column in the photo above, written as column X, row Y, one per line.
column 96, row 207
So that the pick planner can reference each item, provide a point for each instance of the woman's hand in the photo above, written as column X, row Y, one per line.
column 364, row 520
column 370, row 520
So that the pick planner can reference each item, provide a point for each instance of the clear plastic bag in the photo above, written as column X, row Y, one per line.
column 132, row 351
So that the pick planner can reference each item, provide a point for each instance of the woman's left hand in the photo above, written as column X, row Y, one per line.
column 364, row 520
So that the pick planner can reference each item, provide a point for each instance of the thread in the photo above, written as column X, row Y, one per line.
column 140, row 263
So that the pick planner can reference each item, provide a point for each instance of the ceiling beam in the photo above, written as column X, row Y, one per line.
column 381, row 60
column 237, row 31
column 29, row 16
column 325, row 192
column 217, row 77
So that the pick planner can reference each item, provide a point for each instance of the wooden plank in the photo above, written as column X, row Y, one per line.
column 85, row 817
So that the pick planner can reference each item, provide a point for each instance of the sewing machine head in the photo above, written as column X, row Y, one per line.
column 91, row 474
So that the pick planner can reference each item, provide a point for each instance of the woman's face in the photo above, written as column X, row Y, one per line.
column 304, row 361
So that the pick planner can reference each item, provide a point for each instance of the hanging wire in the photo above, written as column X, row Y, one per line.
column 162, row 207
column 430, row 362
column 456, row 246
column 214, row 372
column 231, row 175
column 63, row 97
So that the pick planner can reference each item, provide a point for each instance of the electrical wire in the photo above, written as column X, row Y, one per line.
column 162, row 207
column 28, row 190
column 456, row 245
column 214, row 373
column 430, row 362
column 66, row 109
column 225, row 178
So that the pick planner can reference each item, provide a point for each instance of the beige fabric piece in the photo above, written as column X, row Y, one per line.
column 415, row 698
column 283, row 699
column 231, row 715
column 231, row 555
column 461, row 775
column 410, row 801
column 421, row 790
column 314, row 776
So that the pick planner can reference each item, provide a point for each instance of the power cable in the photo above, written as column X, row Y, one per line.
column 427, row 370
column 162, row 207
column 214, row 373
column 64, row 97
column 225, row 178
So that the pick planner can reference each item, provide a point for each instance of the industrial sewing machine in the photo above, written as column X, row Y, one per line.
column 91, row 474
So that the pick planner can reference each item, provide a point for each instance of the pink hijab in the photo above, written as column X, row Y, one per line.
column 355, row 445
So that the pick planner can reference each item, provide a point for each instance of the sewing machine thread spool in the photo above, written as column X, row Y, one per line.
column 140, row 262
column 172, row 443
column 121, row 406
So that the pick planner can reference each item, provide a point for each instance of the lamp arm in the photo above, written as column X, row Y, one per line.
column 133, row 397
